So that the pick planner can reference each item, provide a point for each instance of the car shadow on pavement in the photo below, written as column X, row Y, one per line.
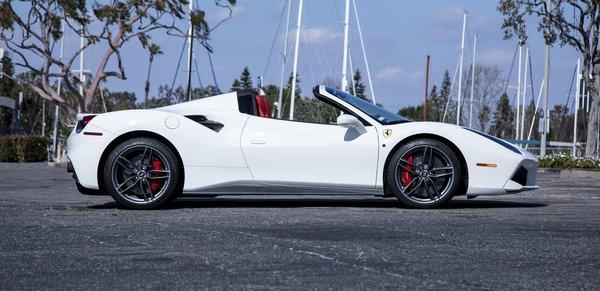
column 325, row 202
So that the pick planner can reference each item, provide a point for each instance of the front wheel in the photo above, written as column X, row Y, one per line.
column 141, row 173
column 424, row 173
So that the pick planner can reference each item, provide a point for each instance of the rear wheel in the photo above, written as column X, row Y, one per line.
column 141, row 173
column 424, row 173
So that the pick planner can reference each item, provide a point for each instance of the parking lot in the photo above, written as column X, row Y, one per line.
column 53, row 237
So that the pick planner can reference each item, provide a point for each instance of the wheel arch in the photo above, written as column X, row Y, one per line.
column 462, row 190
column 134, row 134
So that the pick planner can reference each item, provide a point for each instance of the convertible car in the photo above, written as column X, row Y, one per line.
column 227, row 145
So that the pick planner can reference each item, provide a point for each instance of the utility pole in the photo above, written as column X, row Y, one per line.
column 190, row 50
column 344, row 82
column 364, row 51
column 544, row 132
column 295, row 67
column 283, row 61
column 518, row 119
column 426, row 87
column 472, row 82
column 460, row 70
column 577, row 91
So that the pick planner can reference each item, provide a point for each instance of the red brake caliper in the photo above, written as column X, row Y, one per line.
column 406, row 177
column 155, row 185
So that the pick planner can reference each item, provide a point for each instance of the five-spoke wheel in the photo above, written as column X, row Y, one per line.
column 424, row 173
column 141, row 173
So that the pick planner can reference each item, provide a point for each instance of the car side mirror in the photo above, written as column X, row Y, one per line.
column 349, row 121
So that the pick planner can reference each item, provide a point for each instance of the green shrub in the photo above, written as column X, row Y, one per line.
column 33, row 149
column 568, row 162
column 8, row 149
column 24, row 149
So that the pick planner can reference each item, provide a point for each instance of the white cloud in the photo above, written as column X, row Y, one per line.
column 446, row 24
column 391, row 73
column 496, row 56
column 318, row 35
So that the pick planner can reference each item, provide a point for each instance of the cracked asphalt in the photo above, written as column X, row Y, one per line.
column 51, row 237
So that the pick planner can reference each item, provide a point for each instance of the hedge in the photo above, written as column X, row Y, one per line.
column 568, row 162
column 23, row 149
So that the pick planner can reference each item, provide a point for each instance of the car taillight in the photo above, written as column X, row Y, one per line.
column 86, row 119
column 83, row 122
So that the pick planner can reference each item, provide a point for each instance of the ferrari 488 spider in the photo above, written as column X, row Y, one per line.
column 230, row 144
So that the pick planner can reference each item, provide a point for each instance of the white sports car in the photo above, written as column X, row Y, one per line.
column 226, row 144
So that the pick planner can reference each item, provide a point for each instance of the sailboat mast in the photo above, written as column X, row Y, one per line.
column 543, row 133
column 524, row 94
column 518, row 119
column 364, row 51
column 473, row 83
column 190, row 51
column 352, row 76
column 284, row 61
column 295, row 67
column 344, row 82
column 460, row 70
column 576, row 107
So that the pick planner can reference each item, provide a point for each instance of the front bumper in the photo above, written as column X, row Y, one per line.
column 523, row 178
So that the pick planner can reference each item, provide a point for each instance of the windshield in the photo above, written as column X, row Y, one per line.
column 378, row 113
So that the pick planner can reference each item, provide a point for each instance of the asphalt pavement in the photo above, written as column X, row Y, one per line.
column 51, row 237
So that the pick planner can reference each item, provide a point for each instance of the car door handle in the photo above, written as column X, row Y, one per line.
column 257, row 141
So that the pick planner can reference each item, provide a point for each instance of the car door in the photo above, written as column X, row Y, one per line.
column 297, row 153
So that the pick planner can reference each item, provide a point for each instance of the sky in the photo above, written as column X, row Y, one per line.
column 398, row 35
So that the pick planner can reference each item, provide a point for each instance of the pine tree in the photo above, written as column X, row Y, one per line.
column 411, row 112
column 359, row 87
column 446, row 86
column 246, row 79
column 435, row 105
column 444, row 96
column 236, row 86
column 502, row 124
column 7, row 88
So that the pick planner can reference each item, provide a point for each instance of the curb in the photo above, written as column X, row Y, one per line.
column 24, row 166
column 580, row 173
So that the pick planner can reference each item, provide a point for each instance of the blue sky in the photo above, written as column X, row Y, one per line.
column 398, row 36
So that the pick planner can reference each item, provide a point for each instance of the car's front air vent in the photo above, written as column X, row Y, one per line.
column 211, row 124
column 520, row 176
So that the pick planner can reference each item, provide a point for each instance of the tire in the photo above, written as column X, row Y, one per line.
column 142, row 173
column 424, row 173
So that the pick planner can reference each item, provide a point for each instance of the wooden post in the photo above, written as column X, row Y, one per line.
column 426, row 87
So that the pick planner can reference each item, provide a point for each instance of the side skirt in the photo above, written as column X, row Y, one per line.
column 278, row 188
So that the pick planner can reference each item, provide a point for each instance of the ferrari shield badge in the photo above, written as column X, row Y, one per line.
column 387, row 133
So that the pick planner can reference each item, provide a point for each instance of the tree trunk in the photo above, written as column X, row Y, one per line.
column 592, row 129
column 591, row 147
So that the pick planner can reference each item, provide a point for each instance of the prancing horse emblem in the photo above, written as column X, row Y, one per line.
column 387, row 133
